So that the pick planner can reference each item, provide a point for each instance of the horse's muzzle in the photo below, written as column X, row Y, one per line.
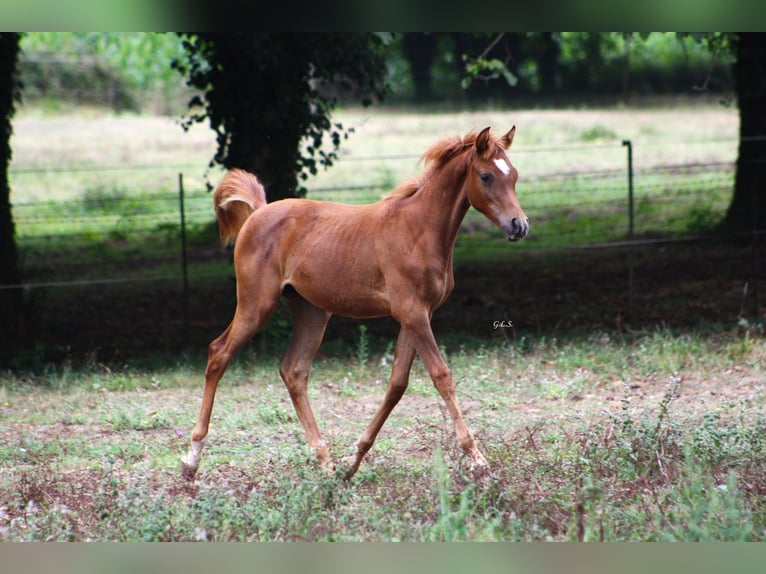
column 517, row 229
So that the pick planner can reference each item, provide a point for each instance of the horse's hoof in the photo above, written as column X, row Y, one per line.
column 328, row 466
column 347, row 470
column 481, row 471
column 351, row 464
column 188, row 472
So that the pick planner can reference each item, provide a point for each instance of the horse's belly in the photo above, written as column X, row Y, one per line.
column 358, row 307
column 341, row 299
column 351, row 292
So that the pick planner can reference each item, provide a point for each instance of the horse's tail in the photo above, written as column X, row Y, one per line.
column 238, row 195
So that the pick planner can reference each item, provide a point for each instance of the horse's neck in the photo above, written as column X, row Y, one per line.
column 445, row 203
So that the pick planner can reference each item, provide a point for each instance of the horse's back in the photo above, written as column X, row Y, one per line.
column 296, row 222
column 325, row 251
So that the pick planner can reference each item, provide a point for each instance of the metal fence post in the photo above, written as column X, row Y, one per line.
column 629, row 145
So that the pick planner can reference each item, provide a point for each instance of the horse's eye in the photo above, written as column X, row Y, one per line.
column 485, row 177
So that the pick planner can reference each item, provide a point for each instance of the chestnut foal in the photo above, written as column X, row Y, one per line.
column 390, row 258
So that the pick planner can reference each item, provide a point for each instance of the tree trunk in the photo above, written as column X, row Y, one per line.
column 747, row 210
column 420, row 50
column 10, row 299
column 549, row 62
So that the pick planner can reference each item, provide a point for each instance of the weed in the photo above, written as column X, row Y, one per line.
column 458, row 515
column 126, row 419
column 362, row 348
column 274, row 414
column 703, row 510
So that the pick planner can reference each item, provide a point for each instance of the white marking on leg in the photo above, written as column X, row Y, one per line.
column 503, row 166
column 192, row 457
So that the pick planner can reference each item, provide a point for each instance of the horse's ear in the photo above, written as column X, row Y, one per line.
column 507, row 139
column 482, row 142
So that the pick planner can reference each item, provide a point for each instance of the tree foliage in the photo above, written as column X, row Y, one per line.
column 142, row 58
column 507, row 66
column 269, row 97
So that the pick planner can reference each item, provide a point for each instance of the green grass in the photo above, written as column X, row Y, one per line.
column 651, row 436
column 99, row 197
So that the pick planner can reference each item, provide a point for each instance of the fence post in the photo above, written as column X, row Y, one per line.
column 184, row 260
column 629, row 145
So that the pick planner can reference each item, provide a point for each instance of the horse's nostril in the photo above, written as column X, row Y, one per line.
column 519, row 227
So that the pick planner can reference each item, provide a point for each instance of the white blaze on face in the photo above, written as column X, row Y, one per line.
column 503, row 166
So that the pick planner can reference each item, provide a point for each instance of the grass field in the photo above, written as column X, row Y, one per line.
column 96, row 190
column 599, row 425
column 659, row 437
column 72, row 157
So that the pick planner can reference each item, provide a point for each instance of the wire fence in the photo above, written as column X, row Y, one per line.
column 690, row 194
column 104, row 238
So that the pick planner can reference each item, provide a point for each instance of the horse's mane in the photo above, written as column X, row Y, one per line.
column 436, row 156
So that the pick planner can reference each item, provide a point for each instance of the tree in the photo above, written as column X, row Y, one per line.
column 747, row 209
column 748, row 205
column 265, row 94
column 10, row 300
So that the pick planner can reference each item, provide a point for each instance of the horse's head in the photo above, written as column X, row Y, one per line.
column 491, row 184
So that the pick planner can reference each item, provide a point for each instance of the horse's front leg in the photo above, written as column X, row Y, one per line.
column 425, row 344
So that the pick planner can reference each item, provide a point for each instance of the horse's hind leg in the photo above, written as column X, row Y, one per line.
column 309, row 323
column 249, row 318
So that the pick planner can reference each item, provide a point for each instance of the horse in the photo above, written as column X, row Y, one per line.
column 392, row 258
